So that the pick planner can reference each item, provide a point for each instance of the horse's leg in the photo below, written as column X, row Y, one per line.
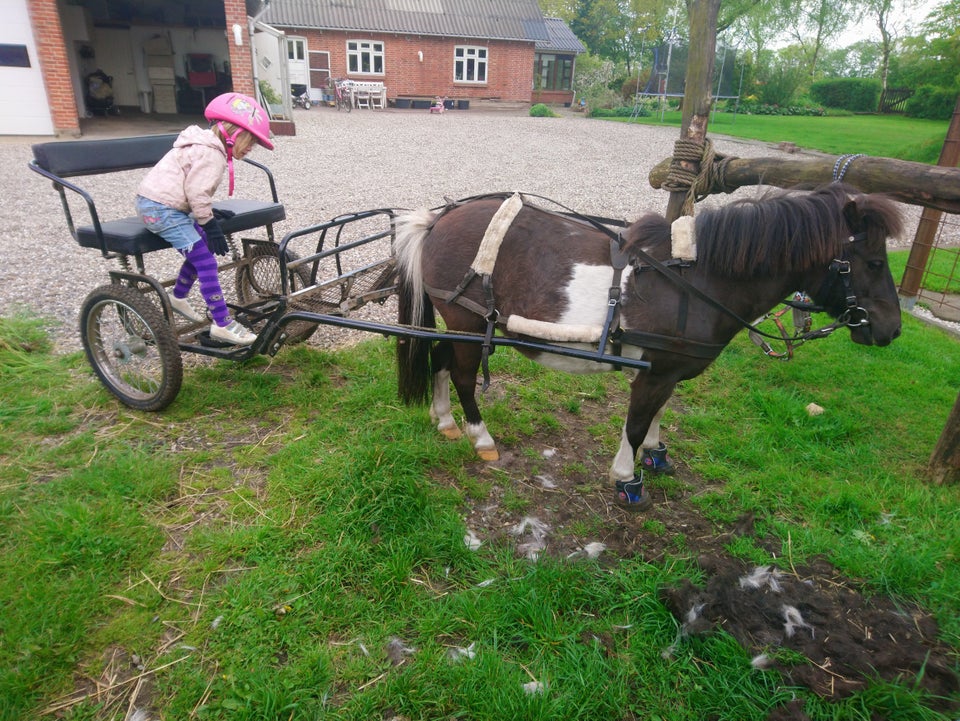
column 466, row 363
column 648, row 399
column 623, row 463
column 441, row 412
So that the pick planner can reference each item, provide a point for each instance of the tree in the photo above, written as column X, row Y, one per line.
column 566, row 10
column 618, row 29
column 816, row 22
column 933, row 56
column 882, row 12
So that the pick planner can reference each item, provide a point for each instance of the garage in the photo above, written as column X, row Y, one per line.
column 24, row 108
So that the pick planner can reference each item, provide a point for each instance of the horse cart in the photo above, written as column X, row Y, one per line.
column 280, row 289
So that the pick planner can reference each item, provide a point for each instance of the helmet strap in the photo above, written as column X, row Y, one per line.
column 228, row 141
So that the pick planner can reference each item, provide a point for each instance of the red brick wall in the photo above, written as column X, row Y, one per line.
column 509, row 65
column 52, row 54
column 241, row 64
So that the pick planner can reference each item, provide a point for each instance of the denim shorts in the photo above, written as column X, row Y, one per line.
column 174, row 226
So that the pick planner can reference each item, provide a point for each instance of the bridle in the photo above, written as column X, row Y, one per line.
column 840, row 270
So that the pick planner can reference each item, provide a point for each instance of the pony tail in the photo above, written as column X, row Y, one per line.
column 414, row 308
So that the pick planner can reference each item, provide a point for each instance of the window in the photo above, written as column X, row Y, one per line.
column 553, row 72
column 296, row 49
column 469, row 64
column 364, row 57
column 14, row 56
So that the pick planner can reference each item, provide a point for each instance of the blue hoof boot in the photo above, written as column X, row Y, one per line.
column 632, row 495
column 655, row 460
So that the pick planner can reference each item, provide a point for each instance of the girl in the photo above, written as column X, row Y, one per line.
column 175, row 201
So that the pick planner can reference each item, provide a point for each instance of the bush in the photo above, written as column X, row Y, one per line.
column 859, row 95
column 541, row 111
column 752, row 106
column 931, row 103
column 269, row 94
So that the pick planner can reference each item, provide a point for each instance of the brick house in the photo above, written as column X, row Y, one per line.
column 464, row 49
column 459, row 49
column 554, row 64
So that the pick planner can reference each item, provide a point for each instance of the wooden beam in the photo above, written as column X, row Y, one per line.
column 916, row 183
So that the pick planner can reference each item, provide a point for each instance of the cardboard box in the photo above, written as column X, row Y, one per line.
column 164, row 99
column 158, row 45
column 162, row 75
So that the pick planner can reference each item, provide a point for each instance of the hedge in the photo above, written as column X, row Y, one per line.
column 858, row 95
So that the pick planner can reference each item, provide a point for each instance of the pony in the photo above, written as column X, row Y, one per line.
column 672, row 295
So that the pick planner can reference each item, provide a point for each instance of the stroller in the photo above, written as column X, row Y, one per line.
column 99, row 95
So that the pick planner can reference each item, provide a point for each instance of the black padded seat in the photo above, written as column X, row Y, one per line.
column 129, row 236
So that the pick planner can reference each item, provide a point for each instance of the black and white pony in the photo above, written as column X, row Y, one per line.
column 555, row 277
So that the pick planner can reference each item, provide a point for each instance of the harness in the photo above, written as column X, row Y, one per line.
column 839, row 270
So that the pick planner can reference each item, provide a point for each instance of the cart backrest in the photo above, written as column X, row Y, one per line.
column 70, row 158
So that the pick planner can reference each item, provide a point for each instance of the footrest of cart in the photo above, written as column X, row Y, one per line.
column 349, row 291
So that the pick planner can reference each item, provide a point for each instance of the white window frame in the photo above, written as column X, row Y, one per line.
column 372, row 51
column 297, row 49
column 463, row 57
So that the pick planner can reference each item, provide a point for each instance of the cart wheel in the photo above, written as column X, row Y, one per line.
column 258, row 279
column 131, row 347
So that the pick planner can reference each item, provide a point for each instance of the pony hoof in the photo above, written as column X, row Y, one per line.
column 490, row 454
column 451, row 432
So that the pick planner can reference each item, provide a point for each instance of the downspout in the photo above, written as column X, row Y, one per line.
column 251, row 25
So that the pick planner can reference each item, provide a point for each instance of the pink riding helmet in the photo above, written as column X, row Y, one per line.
column 246, row 114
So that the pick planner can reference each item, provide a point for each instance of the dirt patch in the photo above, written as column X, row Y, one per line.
column 548, row 494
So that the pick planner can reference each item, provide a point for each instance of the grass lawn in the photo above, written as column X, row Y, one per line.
column 886, row 136
column 287, row 542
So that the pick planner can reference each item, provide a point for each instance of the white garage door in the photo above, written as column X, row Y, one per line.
column 23, row 100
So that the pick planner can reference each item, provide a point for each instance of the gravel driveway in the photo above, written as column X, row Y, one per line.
column 339, row 163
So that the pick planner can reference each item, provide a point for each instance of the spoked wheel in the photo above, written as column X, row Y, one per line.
column 131, row 346
column 258, row 279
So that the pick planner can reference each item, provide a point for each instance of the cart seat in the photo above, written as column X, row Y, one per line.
column 129, row 236
column 59, row 160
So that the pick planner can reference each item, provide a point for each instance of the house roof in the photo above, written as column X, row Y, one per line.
column 488, row 19
column 562, row 39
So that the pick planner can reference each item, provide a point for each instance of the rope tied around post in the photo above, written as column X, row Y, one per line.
column 710, row 179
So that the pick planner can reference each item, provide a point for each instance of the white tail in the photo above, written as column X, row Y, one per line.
column 411, row 229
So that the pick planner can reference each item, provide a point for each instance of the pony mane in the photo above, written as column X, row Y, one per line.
column 776, row 233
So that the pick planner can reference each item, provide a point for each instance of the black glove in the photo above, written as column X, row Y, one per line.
column 223, row 214
column 216, row 240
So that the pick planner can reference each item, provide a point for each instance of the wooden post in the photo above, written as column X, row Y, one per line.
column 930, row 219
column 696, row 95
column 944, row 464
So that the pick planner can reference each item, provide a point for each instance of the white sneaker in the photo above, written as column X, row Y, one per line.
column 233, row 333
column 183, row 307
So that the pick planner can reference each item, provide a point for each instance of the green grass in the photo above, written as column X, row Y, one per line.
column 885, row 136
column 261, row 542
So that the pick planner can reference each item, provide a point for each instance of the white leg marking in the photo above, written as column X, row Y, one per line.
column 652, row 439
column 482, row 441
column 440, row 410
column 622, row 468
column 623, row 463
